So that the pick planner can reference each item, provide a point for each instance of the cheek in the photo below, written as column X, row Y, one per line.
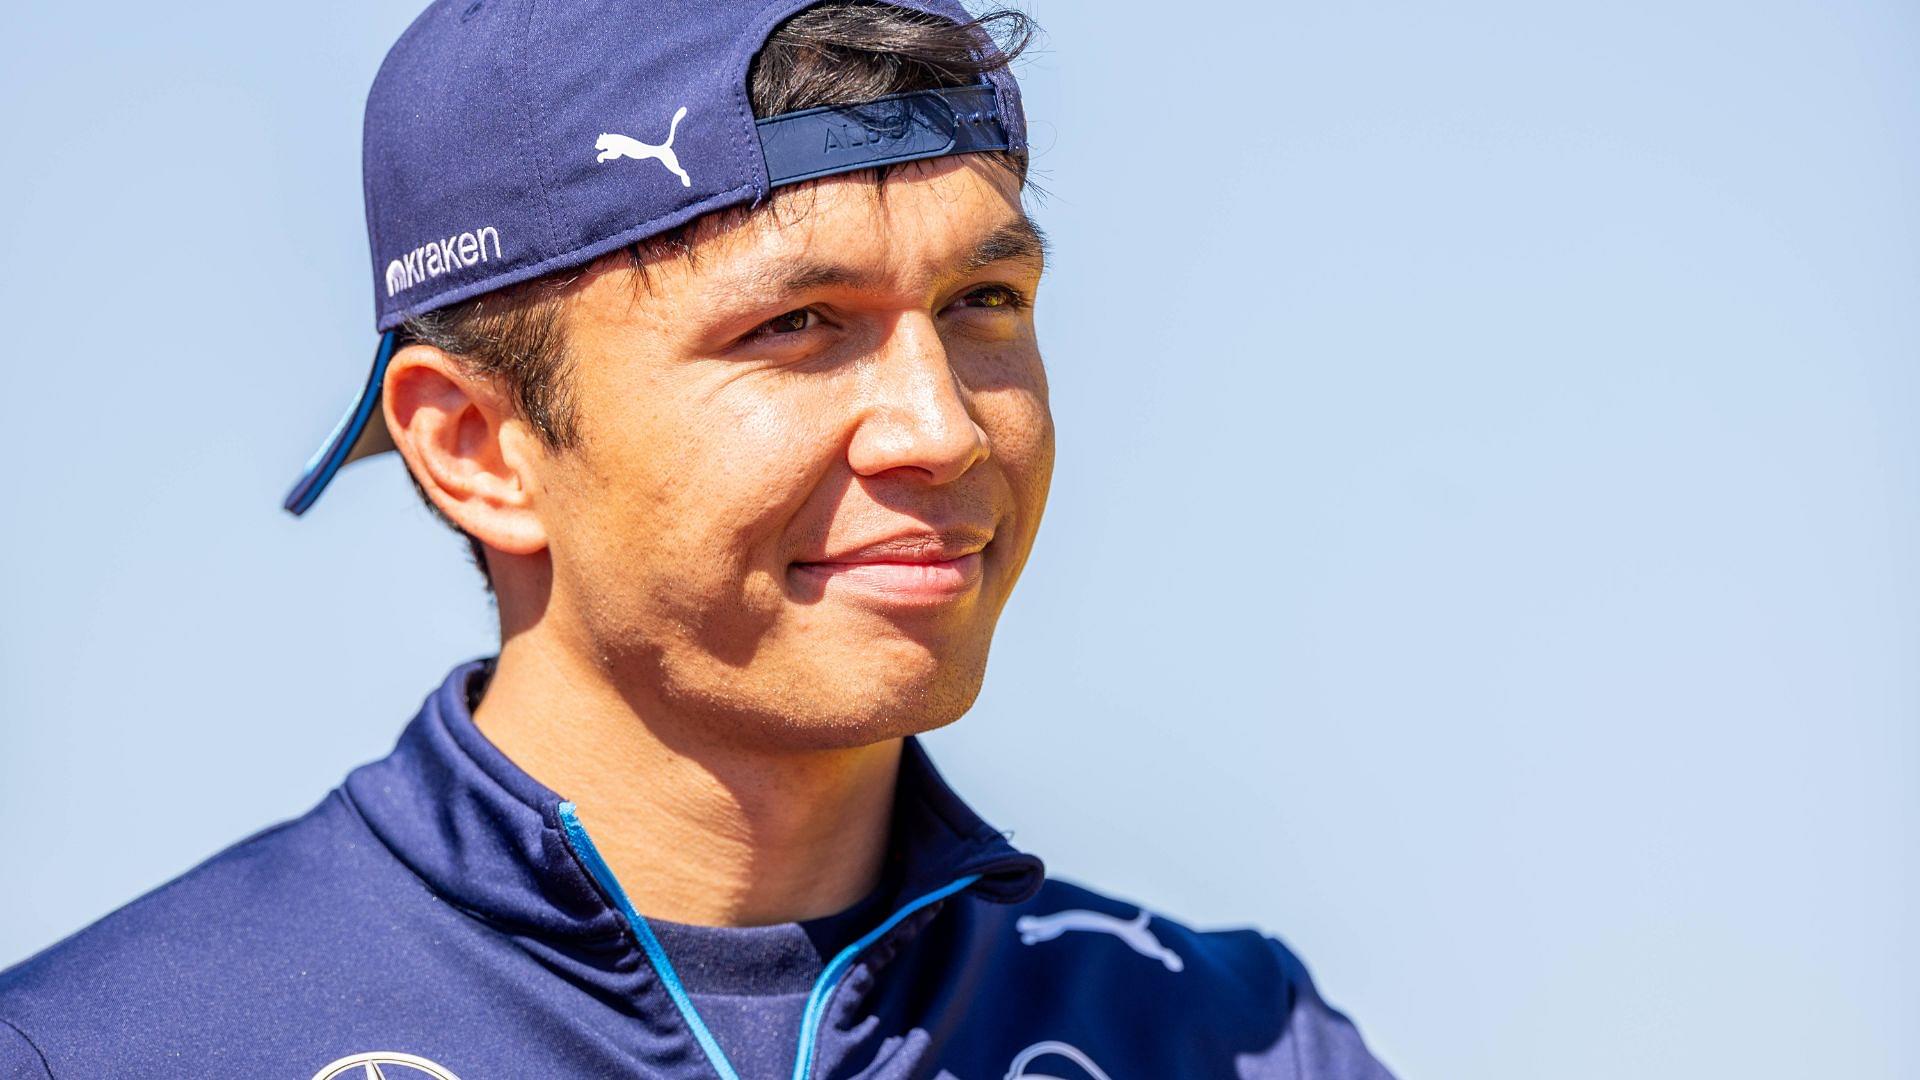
column 1010, row 401
column 700, row 490
column 745, row 468
column 1020, row 426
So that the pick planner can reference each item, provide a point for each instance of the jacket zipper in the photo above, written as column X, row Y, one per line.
column 837, row 968
column 817, row 998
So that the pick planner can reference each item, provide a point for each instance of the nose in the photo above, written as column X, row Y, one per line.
column 916, row 411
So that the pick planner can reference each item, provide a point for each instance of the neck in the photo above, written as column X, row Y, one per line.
column 698, row 831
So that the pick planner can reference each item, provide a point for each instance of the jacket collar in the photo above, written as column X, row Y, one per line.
column 486, row 836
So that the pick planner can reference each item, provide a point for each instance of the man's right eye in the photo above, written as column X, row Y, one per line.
column 792, row 322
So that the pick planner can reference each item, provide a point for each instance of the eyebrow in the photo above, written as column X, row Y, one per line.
column 1020, row 238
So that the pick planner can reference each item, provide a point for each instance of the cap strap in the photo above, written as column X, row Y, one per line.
column 832, row 139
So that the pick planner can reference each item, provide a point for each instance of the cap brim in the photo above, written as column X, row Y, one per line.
column 362, row 432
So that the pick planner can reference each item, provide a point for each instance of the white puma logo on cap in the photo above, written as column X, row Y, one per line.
column 1037, row 928
column 613, row 146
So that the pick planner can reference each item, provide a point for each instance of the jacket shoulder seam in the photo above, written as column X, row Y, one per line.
column 45, row 1066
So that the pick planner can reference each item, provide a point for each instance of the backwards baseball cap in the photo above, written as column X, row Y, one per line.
column 506, row 139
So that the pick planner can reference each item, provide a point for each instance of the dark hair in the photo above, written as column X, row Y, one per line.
column 840, row 52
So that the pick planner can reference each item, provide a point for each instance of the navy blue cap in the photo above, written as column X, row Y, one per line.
column 506, row 139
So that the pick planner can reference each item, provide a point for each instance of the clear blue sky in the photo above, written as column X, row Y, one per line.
column 1482, row 548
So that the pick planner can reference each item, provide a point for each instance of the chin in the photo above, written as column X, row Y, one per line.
column 826, row 686
column 846, row 711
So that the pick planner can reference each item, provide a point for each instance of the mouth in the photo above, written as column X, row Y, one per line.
column 897, row 582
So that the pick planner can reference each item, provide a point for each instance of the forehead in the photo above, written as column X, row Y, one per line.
column 924, row 221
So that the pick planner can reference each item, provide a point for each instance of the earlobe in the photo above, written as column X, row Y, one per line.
column 457, row 434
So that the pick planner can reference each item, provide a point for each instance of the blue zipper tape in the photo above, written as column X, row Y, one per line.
column 829, row 979
column 657, row 956
column 817, row 998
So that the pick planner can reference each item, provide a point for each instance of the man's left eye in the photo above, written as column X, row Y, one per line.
column 994, row 296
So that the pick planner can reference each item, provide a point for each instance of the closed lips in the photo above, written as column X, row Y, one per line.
column 921, row 547
column 910, row 570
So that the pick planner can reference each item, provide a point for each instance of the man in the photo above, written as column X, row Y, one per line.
column 711, row 327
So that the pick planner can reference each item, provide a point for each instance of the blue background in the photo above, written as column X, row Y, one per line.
column 1481, row 549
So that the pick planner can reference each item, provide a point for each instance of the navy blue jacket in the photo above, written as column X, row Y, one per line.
column 441, row 914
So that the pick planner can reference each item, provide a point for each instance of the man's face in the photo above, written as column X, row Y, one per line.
column 858, row 366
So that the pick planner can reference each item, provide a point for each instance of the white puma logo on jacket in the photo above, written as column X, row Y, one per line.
column 613, row 146
column 1037, row 928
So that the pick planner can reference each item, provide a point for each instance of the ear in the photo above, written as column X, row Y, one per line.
column 475, row 459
